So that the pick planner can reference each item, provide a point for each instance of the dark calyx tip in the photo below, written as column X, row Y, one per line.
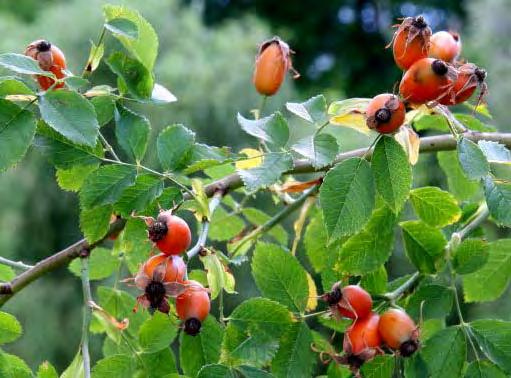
column 383, row 115
column 354, row 361
column 334, row 296
column 192, row 326
column 157, row 230
column 420, row 22
column 439, row 67
column 155, row 292
column 408, row 348
column 43, row 46
column 480, row 74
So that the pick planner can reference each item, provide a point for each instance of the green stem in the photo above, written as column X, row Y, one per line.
column 261, row 107
column 86, row 71
column 393, row 296
column 108, row 146
column 312, row 314
column 275, row 219
column 15, row 264
column 87, row 298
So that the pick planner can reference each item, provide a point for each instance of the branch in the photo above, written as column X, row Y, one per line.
column 203, row 237
column 15, row 264
column 230, row 182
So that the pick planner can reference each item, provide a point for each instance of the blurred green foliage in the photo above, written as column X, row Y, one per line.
column 206, row 57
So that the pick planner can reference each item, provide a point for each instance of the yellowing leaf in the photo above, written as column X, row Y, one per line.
column 410, row 142
column 356, row 121
column 350, row 113
column 254, row 159
column 312, row 302
column 420, row 111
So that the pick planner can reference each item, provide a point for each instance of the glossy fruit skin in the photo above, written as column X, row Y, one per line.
column 411, row 41
column 470, row 77
column 385, row 113
column 398, row 331
column 193, row 306
column 272, row 63
column 362, row 337
column 50, row 58
column 427, row 80
column 170, row 233
column 175, row 267
column 355, row 302
column 445, row 46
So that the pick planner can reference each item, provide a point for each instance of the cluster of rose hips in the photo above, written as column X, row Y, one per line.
column 370, row 332
column 164, row 276
column 433, row 74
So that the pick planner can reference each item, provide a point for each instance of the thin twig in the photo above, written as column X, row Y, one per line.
column 203, row 237
column 87, row 313
column 108, row 146
column 86, row 71
column 393, row 296
column 15, row 264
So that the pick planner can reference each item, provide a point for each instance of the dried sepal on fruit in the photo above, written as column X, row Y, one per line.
column 427, row 80
column 385, row 113
column 169, row 233
column 445, row 45
column 399, row 332
column 410, row 41
column 50, row 58
column 470, row 77
column 160, row 277
column 192, row 306
column 273, row 61
column 350, row 301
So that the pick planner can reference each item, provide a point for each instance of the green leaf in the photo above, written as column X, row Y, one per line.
column 367, row 250
column 132, row 132
column 70, row 114
column 17, row 129
column 435, row 301
column 321, row 254
column 6, row 273
column 106, row 184
column 347, row 197
column 431, row 122
column 424, row 245
column 174, row 146
column 104, row 107
column 498, row 198
column 470, row 256
column 459, row 185
column 140, row 195
column 473, row 123
column 122, row 27
column 145, row 46
column 96, row 54
column 202, row 349
column 445, row 353
column 218, row 278
column 224, row 226
column 392, row 172
column 279, row 276
column 133, row 243
column 216, row 371
column 13, row 86
column 157, row 332
column 94, row 222
column 12, row 366
column 76, row 83
column 257, row 218
column 247, row 371
column 160, row 364
column 134, row 75
column 22, row 64
column 46, row 370
column 379, row 367
column 102, row 263
column 203, row 156
column 75, row 368
column 294, row 358
column 489, row 282
column 116, row 366
column 434, row 206
column 62, row 152
column 494, row 151
column 273, row 129
column 483, row 369
column 269, row 172
column 494, row 338
column 253, row 332
column 73, row 178
column 319, row 149
column 313, row 110
column 10, row 328
column 376, row 281
column 472, row 159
